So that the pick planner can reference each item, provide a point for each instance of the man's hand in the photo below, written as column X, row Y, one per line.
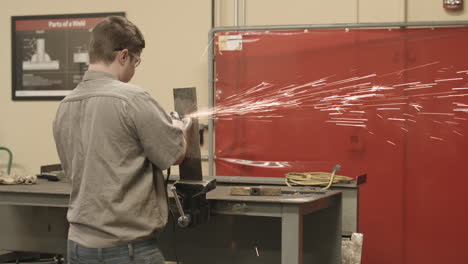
column 185, row 125
column 175, row 116
column 182, row 123
column 187, row 121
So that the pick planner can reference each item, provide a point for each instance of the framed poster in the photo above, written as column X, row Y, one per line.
column 50, row 53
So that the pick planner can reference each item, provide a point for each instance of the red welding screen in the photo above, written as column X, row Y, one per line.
column 389, row 103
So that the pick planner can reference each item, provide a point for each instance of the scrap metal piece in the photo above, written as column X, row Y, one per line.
column 256, row 191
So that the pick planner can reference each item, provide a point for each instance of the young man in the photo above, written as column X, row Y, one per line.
column 113, row 141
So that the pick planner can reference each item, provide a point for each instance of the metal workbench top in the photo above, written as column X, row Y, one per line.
column 56, row 194
column 42, row 186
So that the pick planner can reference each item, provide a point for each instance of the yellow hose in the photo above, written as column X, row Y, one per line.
column 315, row 178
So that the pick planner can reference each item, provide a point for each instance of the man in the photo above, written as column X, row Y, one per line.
column 113, row 141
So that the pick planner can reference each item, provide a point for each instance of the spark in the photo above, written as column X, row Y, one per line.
column 206, row 49
column 356, row 97
column 254, row 163
column 416, row 106
column 344, row 121
column 460, row 118
column 405, row 84
column 423, row 85
column 436, row 138
column 354, row 86
column 458, row 133
column 354, row 119
column 409, row 69
column 417, row 88
column 269, row 121
column 390, row 142
column 372, row 133
column 353, row 125
column 462, row 71
column 352, row 79
column 452, row 95
column 388, row 109
column 333, row 109
column 430, row 94
column 376, row 88
column 427, row 113
column 447, row 80
column 347, row 98
column 385, row 104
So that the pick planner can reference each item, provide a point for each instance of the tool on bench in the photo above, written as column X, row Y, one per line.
column 256, row 191
column 273, row 191
column 52, row 172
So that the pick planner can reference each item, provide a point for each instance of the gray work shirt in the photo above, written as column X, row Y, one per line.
column 107, row 135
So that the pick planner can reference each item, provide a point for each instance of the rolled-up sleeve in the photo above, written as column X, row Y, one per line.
column 162, row 142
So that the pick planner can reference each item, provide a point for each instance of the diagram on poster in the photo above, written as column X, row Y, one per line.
column 50, row 54
column 40, row 59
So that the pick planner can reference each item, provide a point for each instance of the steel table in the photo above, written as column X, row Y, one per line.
column 291, row 229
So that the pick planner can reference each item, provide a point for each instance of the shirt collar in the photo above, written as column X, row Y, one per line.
column 95, row 75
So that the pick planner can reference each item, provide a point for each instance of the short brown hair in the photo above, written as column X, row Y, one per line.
column 112, row 34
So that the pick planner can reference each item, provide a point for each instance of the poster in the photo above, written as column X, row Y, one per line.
column 50, row 54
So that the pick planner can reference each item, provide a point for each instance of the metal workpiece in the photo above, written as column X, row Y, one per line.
column 193, row 207
column 185, row 102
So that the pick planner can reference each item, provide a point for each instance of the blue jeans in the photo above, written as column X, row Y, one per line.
column 141, row 252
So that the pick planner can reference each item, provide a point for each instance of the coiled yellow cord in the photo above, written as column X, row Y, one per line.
column 314, row 178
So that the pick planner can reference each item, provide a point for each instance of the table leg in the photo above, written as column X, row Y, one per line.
column 291, row 235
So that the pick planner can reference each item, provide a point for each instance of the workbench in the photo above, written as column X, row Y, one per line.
column 291, row 229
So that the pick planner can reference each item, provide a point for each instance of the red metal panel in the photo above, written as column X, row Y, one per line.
column 412, row 140
column 436, row 174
